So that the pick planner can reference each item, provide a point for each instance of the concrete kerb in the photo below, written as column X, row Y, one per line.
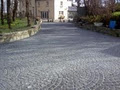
column 14, row 36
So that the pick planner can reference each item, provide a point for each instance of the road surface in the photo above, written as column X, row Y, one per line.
column 61, row 57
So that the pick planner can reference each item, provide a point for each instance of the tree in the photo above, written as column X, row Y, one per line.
column 21, row 4
column 8, row 14
column 99, row 7
column 2, row 16
column 117, row 7
column 15, row 9
column 27, row 13
column 78, row 5
column 93, row 7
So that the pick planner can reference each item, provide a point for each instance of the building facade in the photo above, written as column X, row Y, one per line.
column 53, row 9
column 22, row 8
column 47, row 9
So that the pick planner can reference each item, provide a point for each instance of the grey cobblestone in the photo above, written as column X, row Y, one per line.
column 61, row 57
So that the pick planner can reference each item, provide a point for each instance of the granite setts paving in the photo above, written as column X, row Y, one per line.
column 61, row 57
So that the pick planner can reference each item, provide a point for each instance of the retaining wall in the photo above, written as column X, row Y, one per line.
column 18, row 35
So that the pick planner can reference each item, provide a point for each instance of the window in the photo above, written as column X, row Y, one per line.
column 39, row 4
column 61, row 4
column 44, row 14
column 47, row 3
column 61, row 13
column 30, row 2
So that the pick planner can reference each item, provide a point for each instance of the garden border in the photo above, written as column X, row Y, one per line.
column 18, row 35
column 104, row 30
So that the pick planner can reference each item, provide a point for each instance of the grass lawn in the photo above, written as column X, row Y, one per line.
column 16, row 26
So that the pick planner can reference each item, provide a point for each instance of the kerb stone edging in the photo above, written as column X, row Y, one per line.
column 14, row 36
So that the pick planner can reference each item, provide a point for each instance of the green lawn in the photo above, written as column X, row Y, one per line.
column 16, row 26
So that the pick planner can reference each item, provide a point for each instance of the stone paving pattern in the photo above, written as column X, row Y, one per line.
column 61, row 57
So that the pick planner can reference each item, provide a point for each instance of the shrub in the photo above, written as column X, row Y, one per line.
column 115, row 16
column 88, row 19
column 37, row 18
column 77, row 18
column 98, row 18
column 117, row 7
column 92, row 19
column 61, row 17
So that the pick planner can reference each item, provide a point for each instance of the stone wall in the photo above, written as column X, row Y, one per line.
column 13, row 36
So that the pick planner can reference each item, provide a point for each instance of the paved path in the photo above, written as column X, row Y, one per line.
column 61, row 57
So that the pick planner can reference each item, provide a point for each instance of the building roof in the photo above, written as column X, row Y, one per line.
column 72, row 9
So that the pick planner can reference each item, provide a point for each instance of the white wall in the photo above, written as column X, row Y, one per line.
column 57, row 8
column 69, row 3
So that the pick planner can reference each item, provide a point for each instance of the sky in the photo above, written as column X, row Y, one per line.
column 4, row 5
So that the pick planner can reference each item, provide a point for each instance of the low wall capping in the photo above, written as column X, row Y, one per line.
column 18, row 35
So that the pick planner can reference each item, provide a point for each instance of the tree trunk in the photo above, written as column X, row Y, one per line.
column 86, row 8
column 15, row 9
column 78, row 6
column 2, row 16
column 27, row 13
column 8, row 14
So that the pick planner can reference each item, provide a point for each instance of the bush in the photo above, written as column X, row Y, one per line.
column 92, row 19
column 117, row 7
column 77, row 18
column 61, row 17
column 87, row 19
column 115, row 16
column 37, row 18
column 98, row 18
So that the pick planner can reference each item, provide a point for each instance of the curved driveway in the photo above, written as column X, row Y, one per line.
column 61, row 57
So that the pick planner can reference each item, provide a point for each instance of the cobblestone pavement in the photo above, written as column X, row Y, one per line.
column 61, row 57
